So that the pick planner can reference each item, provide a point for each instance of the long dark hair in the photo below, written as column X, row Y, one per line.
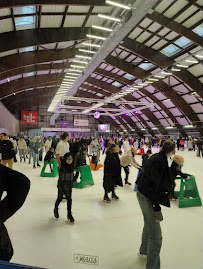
column 64, row 135
column 110, row 149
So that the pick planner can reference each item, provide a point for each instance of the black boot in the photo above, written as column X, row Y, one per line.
column 56, row 212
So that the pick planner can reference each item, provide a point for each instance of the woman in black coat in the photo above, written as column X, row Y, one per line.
column 112, row 172
column 154, row 189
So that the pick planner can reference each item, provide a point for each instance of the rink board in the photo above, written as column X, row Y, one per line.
column 8, row 265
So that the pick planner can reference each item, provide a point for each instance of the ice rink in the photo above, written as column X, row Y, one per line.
column 112, row 232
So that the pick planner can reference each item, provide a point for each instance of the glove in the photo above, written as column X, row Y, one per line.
column 158, row 216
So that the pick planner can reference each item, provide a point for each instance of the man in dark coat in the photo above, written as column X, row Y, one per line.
column 17, row 187
column 6, row 150
column 154, row 190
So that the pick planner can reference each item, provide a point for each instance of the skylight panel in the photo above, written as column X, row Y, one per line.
column 24, row 10
column 183, row 42
column 27, row 22
column 170, row 50
column 29, row 74
column 27, row 49
column 198, row 30
column 117, row 84
column 129, row 76
column 146, row 66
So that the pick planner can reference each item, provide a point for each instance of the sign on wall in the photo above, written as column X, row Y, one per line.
column 79, row 122
column 29, row 117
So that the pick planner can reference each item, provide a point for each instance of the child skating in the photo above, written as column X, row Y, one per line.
column 65, row 185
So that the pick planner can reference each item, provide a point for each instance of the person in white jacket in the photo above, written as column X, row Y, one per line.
column 126, row 145
column 48, row 143
column 128, row 159
column 22, row 146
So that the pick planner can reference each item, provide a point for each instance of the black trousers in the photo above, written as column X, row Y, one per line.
column 127, row 172
column 65, row 189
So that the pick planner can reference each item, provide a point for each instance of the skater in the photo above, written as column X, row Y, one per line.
column 154, row 189
column 22, row 146
column 7, row 151
column 126, row 160
column 145, row 157
column 65, row 185
column 36, row 150
column 112, row 173
column 199, row 147
column 80, row 160
column 49, row 156
column 16, row 186
column 95, row 160
column 175, row 171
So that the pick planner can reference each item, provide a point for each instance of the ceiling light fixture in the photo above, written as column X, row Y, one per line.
column 182, row 65
column 91, row 45
column 72, row 74
column 149, row 82
column 108, row 17
column 159, row 76
column 192, row 61
column 83, row 57
column 69, row 80
column 117, row 4
column 88, row 51
column 78, row 61
column 166, row 73
column 75, row 70
column 169, row 127
column 102, row 28
column 71, row 77
column 188, row 126
column 199, row 56
column 77, row 66
column 96, row 37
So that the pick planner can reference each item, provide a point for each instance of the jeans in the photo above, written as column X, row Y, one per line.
column 30, row 154
column 22, row 154
column 35, row 158
column 127, row 172
column 151, row 235
column 65, row 188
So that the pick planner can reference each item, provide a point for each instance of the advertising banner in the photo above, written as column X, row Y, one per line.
column 80, row 122
column 29, row 117
column 103, row 128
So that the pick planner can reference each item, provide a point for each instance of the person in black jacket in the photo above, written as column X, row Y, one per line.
column 154, row 189
column 17, row 186
column 112, row 172
column 65, row 185
column 49, row 156
column 145, row 157
column 6, row 150
column 175, row 171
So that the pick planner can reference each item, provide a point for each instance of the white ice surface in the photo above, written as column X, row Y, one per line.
column 110, row 231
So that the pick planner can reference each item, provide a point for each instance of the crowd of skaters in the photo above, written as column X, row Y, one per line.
column 71, row 153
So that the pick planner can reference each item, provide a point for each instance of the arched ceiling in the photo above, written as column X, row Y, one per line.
column 39, row 40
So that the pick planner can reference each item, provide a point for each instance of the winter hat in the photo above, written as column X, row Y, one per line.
column 178, row 159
